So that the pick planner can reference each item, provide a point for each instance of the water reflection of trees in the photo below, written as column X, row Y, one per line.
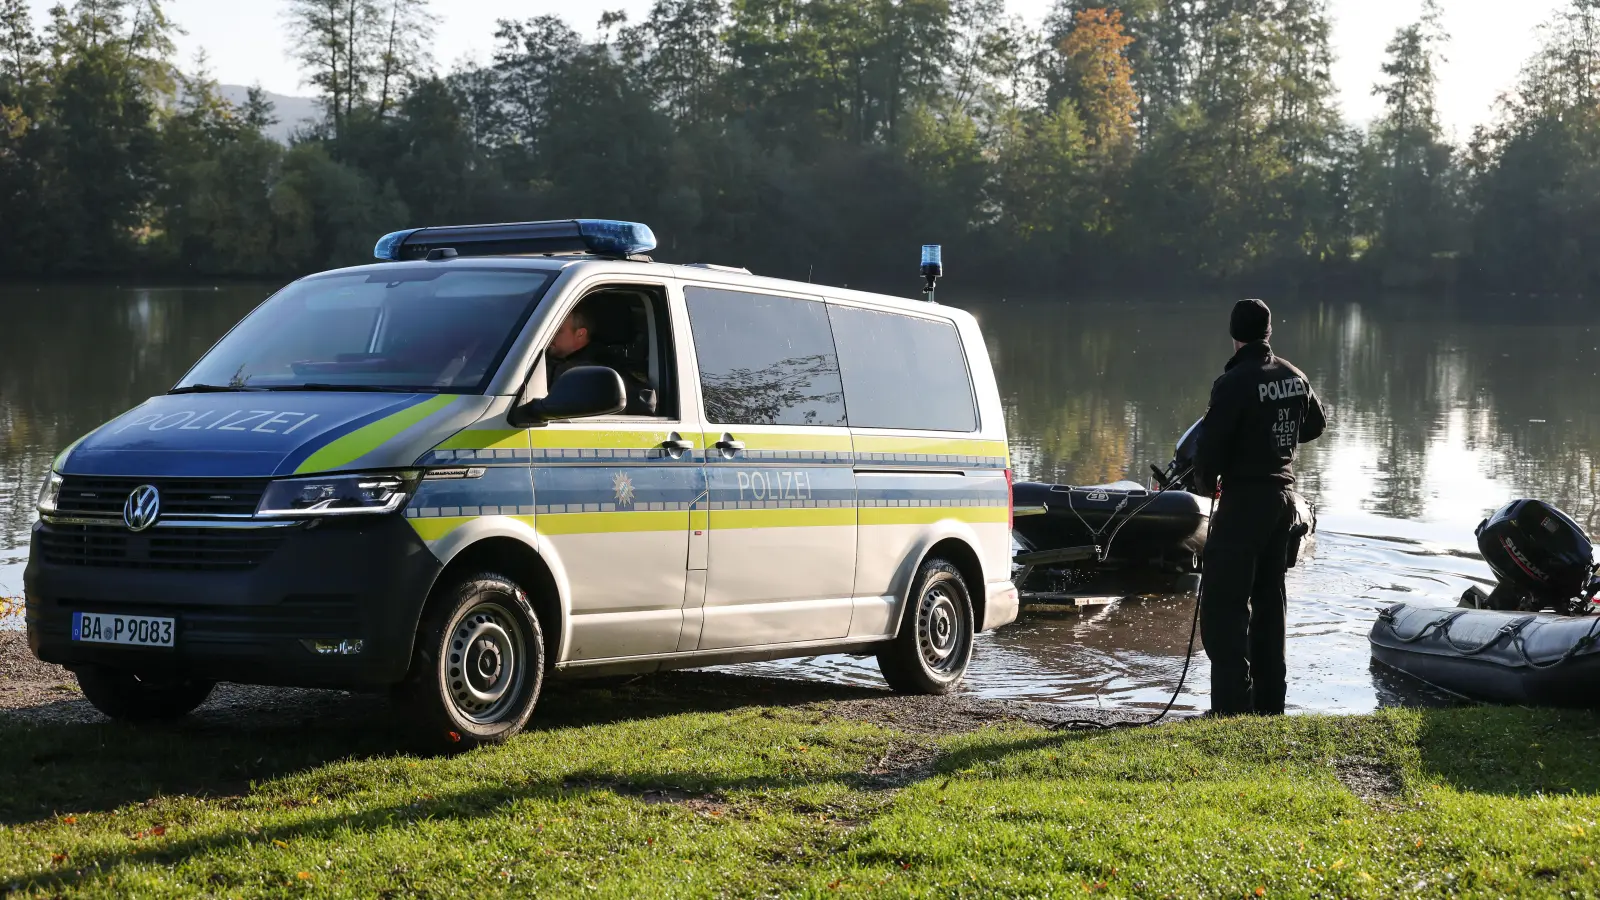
column 1097, row 390
column 801, row 390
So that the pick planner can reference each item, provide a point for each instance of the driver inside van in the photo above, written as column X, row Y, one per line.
column 574, row 345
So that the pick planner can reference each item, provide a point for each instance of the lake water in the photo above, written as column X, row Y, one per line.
column 1439, row 412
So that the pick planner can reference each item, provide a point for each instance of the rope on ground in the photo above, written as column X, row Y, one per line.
column 1183, row 676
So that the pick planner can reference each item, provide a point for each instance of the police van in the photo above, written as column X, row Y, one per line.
column 510, row 451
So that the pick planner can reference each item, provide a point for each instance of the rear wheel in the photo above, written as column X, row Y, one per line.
column 931, row 653
column 480, row 661
column 128, row 697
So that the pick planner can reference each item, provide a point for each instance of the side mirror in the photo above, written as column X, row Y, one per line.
column 578, row 393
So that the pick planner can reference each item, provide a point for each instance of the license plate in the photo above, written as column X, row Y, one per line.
column 139, row 631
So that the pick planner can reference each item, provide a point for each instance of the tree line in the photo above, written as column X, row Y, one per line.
column 1117, row 142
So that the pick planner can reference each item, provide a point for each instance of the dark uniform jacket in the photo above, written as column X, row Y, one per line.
column 1262, row 407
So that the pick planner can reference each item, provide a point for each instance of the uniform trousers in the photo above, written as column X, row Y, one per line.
column 1243, row 602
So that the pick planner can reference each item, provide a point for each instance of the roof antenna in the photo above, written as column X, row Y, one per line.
column 932, row 269
column 808, row 272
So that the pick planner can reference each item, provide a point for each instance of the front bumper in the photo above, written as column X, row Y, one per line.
column 360, row 579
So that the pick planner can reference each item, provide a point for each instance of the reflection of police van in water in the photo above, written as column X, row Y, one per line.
column 368, row 483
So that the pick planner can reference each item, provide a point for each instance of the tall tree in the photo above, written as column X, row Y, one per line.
column 1410, row 183
column 1565, row 73
column 1161, row 54
column 405, row 29
column 1536, row 171
column 214, row 210
column 1040, row 163
column 339, row 44
column 109, row 73
column 19, row 47
column 1098, row 78
column 528, row 60
column 678, row 50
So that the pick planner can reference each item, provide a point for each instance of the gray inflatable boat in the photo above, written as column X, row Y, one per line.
column 1538, row 659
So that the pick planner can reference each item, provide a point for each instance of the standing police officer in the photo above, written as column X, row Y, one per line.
column 1262, row 408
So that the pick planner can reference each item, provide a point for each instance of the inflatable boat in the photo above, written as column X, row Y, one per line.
column 1064, row 530
column 1133, row 527
column 1529, row 658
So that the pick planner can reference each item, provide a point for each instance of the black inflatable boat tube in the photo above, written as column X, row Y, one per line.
column 1537, row 659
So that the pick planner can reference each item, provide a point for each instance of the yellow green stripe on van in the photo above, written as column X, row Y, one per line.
column 487, row 439
column 364, row 440
column 600, row 439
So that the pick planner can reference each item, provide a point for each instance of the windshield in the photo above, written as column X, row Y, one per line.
column 409, row 329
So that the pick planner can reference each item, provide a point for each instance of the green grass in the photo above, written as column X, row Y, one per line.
column 690, row 786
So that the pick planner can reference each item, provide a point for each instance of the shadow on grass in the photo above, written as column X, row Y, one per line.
column 1493, row 750
column 1510, row 751
column 199, row 759
column 50, row 768
column 94, row 866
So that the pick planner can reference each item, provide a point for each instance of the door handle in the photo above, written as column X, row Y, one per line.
column 729, row 446
column 676, row 446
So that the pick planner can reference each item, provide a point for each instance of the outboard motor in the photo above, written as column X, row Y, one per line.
column 1542, row 559
column 1180, row 471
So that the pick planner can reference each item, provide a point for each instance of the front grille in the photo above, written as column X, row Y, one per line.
column 191, row 549
column 86, row 495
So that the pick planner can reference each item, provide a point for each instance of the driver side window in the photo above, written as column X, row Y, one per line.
column 625, row 328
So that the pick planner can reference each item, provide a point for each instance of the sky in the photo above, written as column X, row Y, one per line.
column 245, row 42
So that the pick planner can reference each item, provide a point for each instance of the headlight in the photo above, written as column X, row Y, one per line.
column 337, row 495
column 49, row 493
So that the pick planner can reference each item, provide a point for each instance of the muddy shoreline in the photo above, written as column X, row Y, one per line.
column 37, row 693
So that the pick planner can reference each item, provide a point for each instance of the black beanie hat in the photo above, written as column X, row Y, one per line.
column 1251, row 321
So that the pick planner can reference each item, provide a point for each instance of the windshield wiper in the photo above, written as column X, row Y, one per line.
column 322, row 386
column 212, row 389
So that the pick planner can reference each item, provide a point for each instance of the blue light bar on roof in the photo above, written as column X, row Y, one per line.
column 600, row 237
column 608, row 237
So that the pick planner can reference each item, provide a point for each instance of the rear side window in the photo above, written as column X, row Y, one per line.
column 765, row 360
column 903, row 371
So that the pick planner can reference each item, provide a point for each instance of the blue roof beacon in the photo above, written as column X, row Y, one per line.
column 591, row 237
column 932, row 268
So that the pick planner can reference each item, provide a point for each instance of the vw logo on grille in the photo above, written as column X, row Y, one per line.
column 143, row 508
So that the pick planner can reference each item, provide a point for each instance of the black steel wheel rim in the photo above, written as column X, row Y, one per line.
column 485, row 663
column 941, row 629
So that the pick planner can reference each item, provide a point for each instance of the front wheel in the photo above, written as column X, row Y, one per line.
column 480, row 661
column 931, row 653
column 129, row 697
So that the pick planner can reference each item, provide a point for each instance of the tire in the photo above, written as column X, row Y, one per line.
column 127, row 697
column 479, row 664
column 934, row 646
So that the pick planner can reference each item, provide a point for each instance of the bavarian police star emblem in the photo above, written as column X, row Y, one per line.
column 622, row 489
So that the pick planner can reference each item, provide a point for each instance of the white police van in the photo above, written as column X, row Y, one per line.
column 515, row 450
